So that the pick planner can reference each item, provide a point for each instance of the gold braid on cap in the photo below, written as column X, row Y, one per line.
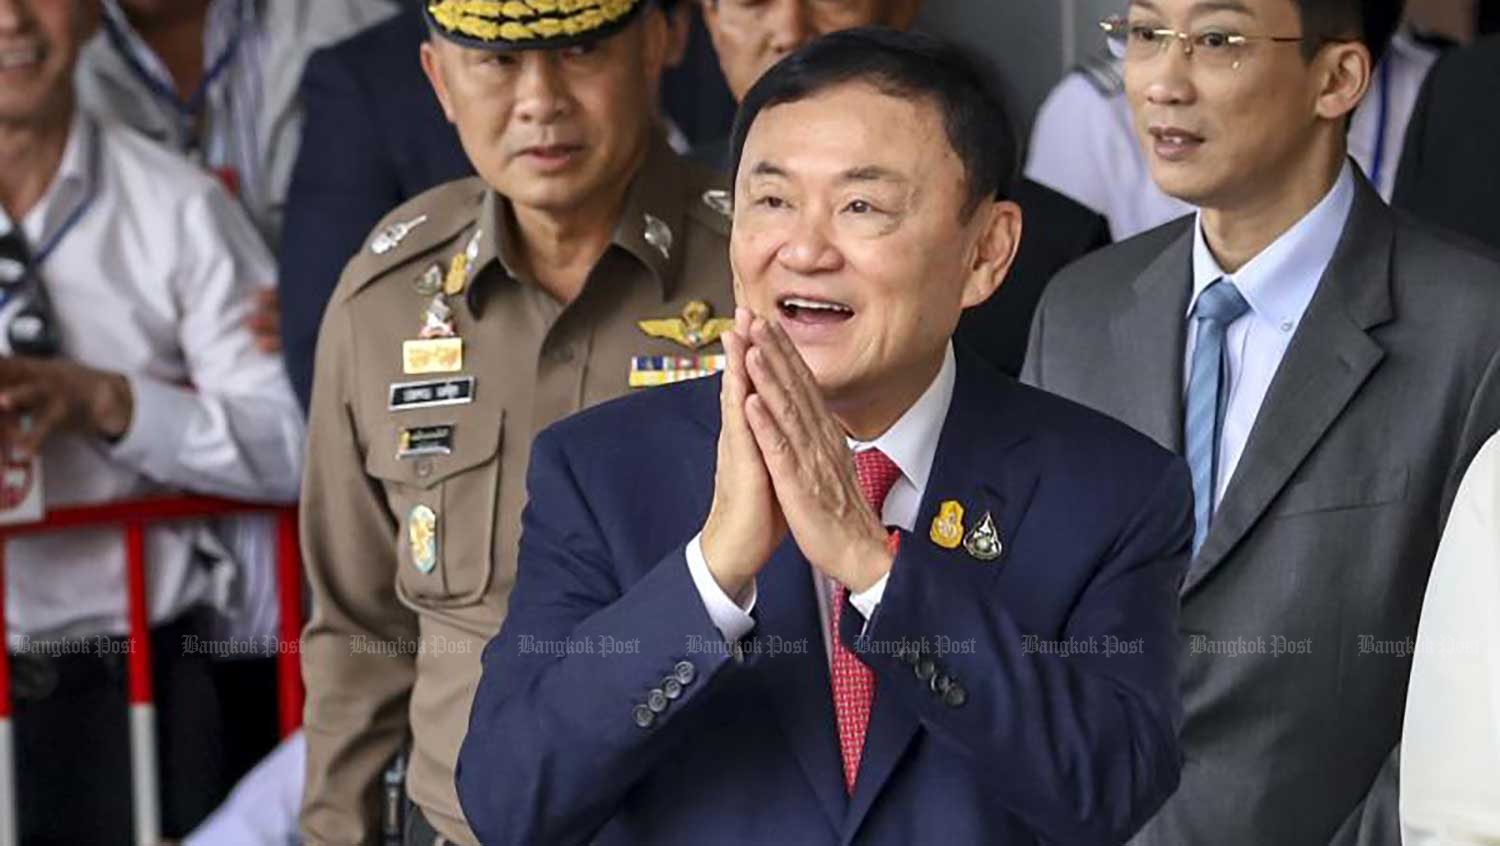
column 522, row 19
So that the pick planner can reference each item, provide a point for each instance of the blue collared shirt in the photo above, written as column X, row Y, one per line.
column 1278, row 284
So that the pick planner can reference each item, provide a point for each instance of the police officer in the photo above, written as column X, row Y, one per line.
column 1083, row 144
column 584, row 260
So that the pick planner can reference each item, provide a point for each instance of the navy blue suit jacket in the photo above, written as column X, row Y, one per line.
column 374, row 138
column 1041, row 748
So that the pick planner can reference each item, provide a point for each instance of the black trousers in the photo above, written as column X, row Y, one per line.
column 73, row 741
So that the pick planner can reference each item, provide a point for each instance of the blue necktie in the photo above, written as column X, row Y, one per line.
column 1219, row 305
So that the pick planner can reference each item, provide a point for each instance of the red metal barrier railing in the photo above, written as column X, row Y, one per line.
column 134, row 517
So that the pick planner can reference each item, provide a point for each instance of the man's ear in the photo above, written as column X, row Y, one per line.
column 1346, row 69
column 996, row 241
column 432, row 65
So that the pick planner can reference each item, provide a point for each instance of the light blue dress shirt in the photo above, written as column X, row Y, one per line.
column 1278, row 284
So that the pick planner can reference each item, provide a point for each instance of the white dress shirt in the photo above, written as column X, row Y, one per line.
column 910, row 443
column 1084, row 144
column 154, row 281
column 1278, row 284
column 1450, row 746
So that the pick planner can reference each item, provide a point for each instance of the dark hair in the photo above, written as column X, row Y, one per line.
column 1373, row 21
column 907, row 65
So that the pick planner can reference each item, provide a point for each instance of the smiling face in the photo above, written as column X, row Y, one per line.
column 849, row 231
column 751, row 35
column 554, row 129
column 39, row 43
column 1224, row 136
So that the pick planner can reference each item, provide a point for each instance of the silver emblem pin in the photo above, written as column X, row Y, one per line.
column 659, row 235
column 391, row 237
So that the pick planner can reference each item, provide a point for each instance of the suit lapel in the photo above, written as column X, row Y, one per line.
column 980, row 464
column 1330, row 357
column 797, row 684
column 1149, row 333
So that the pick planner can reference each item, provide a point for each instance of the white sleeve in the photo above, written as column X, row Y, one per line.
column 1450, row 750
column 731, row 618
column 1065, row 153
column 262, row 810
column 867, row 600
column 238, row 430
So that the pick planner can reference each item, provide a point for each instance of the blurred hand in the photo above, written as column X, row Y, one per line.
column 40, row 396
column 745, row 524
column 265, row 321
column 811, row 469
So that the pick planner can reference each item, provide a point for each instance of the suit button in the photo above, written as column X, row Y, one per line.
column 656, row 700
column 643, row 716
column 941, row 684
column 956, row 696
column 925, row 669
column 685, row 672
column 671, row 687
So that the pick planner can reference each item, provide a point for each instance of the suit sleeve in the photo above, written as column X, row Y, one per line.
column 1376, row 820
column 559, row 731
column 357, row 662
column 342, row 184
column 1088, row 740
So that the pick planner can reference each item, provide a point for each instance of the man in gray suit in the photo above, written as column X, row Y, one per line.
column 1328, row 369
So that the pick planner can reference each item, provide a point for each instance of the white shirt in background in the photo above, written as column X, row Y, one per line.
column 1450, row 746
column 154, row 281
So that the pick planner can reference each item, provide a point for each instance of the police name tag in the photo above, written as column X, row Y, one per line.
column 406, row 396
column 425, row 440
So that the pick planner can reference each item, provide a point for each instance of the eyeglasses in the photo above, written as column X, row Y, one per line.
column 31, row 329
column 1215, row 49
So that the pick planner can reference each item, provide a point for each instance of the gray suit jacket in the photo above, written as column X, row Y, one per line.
column 1299, row 610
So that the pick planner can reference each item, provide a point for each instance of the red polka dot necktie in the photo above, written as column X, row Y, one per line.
column 853, row 681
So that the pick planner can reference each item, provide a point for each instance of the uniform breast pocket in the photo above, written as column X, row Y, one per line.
column 1341, row 494
column 442, row 479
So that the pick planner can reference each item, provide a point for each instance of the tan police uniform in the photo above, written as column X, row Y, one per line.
column 438, row 362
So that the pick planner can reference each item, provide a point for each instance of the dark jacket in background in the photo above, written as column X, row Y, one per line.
column 1450, row 169
column 375, row 137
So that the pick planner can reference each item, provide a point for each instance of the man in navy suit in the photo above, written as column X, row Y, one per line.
column 863, row 589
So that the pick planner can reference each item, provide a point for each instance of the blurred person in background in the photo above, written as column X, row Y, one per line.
column 126, row 275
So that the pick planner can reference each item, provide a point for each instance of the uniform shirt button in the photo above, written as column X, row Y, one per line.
column 643, row 716
column 685, row 672
column 657, row 701
column 424, row 468
column 563, row 355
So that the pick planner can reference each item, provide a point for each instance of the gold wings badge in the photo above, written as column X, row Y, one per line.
column 695, row 329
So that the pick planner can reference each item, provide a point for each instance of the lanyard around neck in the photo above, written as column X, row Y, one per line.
column 193, row 106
